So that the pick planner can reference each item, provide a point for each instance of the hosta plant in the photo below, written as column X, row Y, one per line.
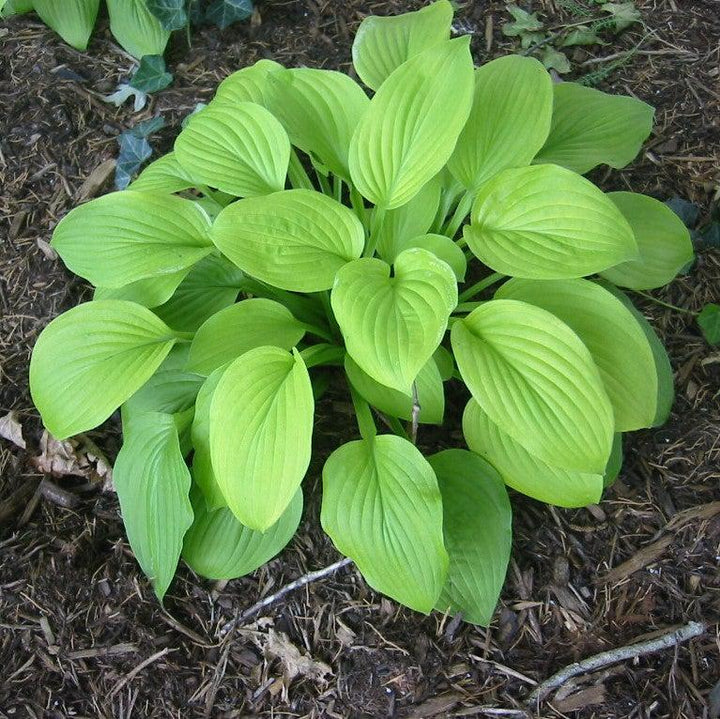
column 302, row 233
column 142, row 27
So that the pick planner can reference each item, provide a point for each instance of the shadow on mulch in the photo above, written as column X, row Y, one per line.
column 80, row 631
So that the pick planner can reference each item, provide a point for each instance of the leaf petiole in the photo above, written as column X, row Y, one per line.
column 461, row 212
column 299, row 178
column 478, row 287
column 366, row 423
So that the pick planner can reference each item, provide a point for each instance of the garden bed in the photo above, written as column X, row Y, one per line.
column 81, row 633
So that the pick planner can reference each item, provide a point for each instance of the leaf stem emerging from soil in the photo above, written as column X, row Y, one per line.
column 613, row 656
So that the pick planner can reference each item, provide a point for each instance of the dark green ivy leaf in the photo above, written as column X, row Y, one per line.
column 134, row 150
column 225, row 12
column 623, row 14
column 525, row 22
column 151, row 76
column 171, row 13
column 709, row 321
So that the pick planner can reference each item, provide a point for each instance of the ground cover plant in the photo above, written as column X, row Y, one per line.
column 357, row 267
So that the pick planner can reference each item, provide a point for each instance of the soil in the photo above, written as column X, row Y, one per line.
column 81, row 634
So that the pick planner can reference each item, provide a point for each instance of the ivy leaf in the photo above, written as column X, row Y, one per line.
column 524, row 22
column 555, row 60
column 123, row 92
column 709, row 321
column 582, row 35
column 171, row 13
column 225, row 12
column 624, row 14
column 134, row 150
column 151, row 76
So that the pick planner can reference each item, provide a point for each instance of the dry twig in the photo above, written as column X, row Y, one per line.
column 613, row 656
column 296, row 584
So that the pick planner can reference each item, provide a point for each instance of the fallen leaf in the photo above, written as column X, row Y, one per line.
column 278, row 646
column 11, row 429
column 71, row 458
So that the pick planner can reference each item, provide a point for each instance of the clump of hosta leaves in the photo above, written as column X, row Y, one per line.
column 302, row 233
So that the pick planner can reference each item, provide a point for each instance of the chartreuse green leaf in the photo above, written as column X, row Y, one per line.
column 73, row 20
column 477, row 526
column 591, row 128
column 295, row 239
column 509, row 120
column 261, row 421
column 241, row 327
column 545, row 222
column 202, row 469
column 523, row 471
column 217, row 546
column 15, row 7
column 241, row 149
column 152, row 484
column 392, row 325
column 134, row 235
column 411, row 220
column 662, row 238
column 443, row 248
column 320, row 110
column 382, row 44
column 163, row 175
column 247, row 85
column 430, row 393
column 211, row 284
column 168, row 390
column 92, row 358
column 615, row 340
column 136, row 28
column 149, row 292
column 663, row 368
column 537, row 381
column 412, row 124
column 382, row 508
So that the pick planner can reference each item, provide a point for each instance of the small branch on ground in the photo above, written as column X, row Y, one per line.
column 613, row 656
column 296, row 584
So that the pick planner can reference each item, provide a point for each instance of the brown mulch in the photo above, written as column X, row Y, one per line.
column 81, row 634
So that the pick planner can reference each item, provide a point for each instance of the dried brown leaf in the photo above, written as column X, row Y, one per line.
column 11, row 429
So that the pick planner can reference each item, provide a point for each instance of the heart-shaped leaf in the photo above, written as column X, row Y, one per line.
column 616, row 342
column 412, row 124
column 91, row 359
column 382, row 44
column 247, row 85
column 217, row 546
column 320, row 110
column 430, row 393
column 241, row 149
column 590, row 128
column 382, row 508
column 136, row 28
column 134, row 235
column 241, row 327
column 443, row 248
column 524, row 472
column 662, row 238
column 537, row 381
column 212, row 284
column 392, row 325
column 411, row 220
column 477, row 526
column 545, row 222
column 163, row 175
column 152, row 484
column 261, row 421
column 295, row 239
column 73, row 20
column 150, row 292
column 509, row 120
column 663, row 368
